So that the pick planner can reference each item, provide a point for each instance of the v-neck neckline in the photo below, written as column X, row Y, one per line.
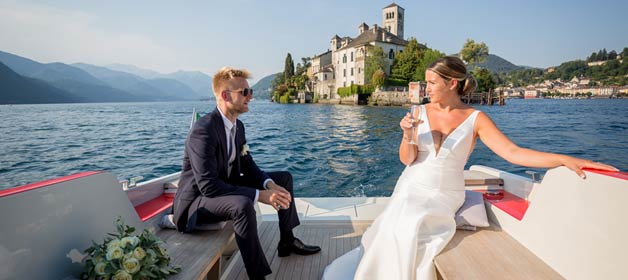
column 437, row 153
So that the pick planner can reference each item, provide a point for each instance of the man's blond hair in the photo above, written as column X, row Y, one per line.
column 224, row 75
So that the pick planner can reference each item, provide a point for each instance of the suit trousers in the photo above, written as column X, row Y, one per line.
column 241, row 210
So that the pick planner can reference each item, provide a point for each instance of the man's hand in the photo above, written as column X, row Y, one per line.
column 276, row 196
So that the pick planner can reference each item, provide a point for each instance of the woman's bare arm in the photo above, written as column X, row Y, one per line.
column 495, row 140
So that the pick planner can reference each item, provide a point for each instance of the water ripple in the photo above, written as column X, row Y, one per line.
column 332, row 150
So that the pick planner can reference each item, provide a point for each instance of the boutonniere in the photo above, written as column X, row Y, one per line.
column 245, row 150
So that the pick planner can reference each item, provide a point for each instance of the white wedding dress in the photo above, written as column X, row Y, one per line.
column 419, row 219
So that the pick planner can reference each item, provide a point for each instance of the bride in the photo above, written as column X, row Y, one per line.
column 419, row 219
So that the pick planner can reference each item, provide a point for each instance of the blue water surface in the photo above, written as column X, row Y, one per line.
column 332, row 150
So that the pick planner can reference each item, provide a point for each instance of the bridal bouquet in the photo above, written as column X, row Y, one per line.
column 123, row 256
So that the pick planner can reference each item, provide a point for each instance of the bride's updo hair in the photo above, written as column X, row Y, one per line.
column 452, row 68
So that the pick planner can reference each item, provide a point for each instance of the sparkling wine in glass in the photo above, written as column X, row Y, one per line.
column 415, row 119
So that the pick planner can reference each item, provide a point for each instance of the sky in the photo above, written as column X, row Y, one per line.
column 167, row 36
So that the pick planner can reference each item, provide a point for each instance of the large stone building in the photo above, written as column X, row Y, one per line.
column 343, row 63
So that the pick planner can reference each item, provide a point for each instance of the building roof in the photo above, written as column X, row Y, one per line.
column 392, row 5
column 375, row 35
column 319, row 55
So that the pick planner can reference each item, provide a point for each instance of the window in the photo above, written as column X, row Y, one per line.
column 344, row 58
column 391, row 54
column 324, row 76
column 351, row 56
column 344, row 72
column 351, row 71
column 359, row 70
column 389, row 28
column 344, row 84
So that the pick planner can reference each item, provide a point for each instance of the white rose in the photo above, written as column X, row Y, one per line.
column 139, row 253
column 113, row 243
column 122, row 275
column 100, row 268
column 114, row 253
column 245, row 149
column 131, row 240
column 131, row 265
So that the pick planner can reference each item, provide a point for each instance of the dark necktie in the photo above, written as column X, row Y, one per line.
column 231, row 150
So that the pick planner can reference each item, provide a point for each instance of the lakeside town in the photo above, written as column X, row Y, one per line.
column 577, row 87
column 379, row 67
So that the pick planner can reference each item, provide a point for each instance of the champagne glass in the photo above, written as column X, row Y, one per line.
column 415, row 118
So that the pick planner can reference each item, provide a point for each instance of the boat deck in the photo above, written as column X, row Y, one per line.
column 334, row 237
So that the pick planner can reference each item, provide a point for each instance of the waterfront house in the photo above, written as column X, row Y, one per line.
column 343, row 63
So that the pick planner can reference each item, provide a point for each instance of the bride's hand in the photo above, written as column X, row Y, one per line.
column 406, row 123
column 577, row 164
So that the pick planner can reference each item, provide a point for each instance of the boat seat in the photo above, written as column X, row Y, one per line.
column 489, row 254
column 200, row 254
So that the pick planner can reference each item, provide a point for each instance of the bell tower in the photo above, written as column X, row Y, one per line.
column 392, row 19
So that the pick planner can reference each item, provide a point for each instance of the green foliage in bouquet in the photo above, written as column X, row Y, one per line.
column 125, row 256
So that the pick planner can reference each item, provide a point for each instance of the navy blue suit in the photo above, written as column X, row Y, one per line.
column 208, row 194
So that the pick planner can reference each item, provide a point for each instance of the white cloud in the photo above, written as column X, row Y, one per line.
column 49, row 34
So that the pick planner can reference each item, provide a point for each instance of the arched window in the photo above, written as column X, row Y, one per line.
column 391, row 54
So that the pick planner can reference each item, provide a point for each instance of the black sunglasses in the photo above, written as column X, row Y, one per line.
column 245, row 91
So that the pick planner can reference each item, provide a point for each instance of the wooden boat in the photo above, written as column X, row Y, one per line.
column 560, row 227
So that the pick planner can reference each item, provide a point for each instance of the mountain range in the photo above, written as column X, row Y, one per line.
column 27, row 81
column 262, row 88
column 35, row 82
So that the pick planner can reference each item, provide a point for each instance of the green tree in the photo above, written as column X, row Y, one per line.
column 306, row 62
column 592, row 58
column 624, row 53
column 288, row 69
column 375, row 60
column 429, row 56
column 378, row 79
column 485, row 79
column 474, row 53
column 612, row 54
column 405, row 63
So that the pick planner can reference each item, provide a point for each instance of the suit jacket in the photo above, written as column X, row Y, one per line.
column 204, row 170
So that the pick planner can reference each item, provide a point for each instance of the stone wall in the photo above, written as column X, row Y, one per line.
column 389, row 98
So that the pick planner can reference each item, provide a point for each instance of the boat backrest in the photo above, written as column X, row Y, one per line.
column 47, row 225
column 576, row 226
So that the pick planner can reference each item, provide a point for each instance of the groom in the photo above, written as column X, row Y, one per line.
column 220, row 181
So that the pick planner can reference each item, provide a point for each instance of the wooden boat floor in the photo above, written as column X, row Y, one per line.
column 334, row 237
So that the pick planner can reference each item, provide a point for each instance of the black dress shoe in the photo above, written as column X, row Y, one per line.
column 297, row 247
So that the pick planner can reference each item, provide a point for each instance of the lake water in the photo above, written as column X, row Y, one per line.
column 332, row 150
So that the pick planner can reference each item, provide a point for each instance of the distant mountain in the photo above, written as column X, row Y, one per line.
column 496, row 64
column 144, row 73
column 261, row 89
column 151, row 89
column 16, row 89
column 197, row 81
column 67, row 78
